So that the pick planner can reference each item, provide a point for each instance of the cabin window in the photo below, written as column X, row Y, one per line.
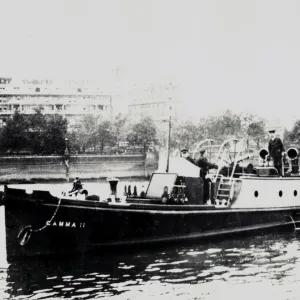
column 295, row 193
column 280, row 193
column 256, row 193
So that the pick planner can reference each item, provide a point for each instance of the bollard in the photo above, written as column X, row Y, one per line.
column 143, row 194
column 135, row 191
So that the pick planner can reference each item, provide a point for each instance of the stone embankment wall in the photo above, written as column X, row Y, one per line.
column 30, row 168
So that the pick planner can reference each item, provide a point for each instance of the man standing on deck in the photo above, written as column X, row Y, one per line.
column 205, row 166
column 276, row 151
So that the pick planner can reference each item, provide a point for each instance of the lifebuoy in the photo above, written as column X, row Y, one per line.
column 24, row 235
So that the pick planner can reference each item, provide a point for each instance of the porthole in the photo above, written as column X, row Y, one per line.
column 295, row 193
column 256, row 193
column 280, row 193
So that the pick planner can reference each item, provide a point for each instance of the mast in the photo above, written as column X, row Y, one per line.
column 169, row 141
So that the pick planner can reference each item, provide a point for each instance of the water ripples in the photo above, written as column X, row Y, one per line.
column 234, row 268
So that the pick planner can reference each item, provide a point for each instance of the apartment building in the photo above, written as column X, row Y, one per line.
column 71, row 99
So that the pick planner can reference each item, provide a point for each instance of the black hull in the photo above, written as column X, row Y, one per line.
column 59, row 227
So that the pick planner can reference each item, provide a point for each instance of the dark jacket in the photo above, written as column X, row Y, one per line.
column 275, row 147
column 191, row 160
column 205, row 165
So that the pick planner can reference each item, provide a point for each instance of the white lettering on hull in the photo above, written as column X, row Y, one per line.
column 65, row 224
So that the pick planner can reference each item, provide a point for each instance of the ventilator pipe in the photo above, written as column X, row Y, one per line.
column 293, row 156
column 292, row 153
column 263, row 153
column 113, row 182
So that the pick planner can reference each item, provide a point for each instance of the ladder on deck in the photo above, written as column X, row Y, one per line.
column 224, row 192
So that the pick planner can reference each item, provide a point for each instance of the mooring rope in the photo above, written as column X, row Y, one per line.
column 294, row 223
column 25, row 233
column 52, row 218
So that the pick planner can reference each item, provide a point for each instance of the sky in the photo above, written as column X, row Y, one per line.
column 240, row 55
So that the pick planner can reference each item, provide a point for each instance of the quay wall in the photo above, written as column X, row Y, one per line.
column 30, row 168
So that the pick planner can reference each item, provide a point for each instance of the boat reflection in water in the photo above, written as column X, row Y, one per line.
column 234, row 267
column 242, row 199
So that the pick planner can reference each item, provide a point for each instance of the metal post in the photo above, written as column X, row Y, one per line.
column 209, row 194
column 67, row 160
column 169, row 142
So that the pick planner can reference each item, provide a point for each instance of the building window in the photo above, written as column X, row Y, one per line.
column 37, row 89
column 79, row 90
column 100, row 107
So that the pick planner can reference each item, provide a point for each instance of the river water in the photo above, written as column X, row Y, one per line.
column 256, row 267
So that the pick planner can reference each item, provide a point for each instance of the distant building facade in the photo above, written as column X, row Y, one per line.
column 155, row 102
column 70, row 99
column 153, row 109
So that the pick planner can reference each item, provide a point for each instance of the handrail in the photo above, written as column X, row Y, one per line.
column 226, row 142
column 236, row 161
column 200, row 144
column 219, row 152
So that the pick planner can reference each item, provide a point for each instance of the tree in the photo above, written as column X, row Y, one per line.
column 92, row 131
column 257, row 131
column 143, row 132
column 85, row 133
column 105, row 134
column 15, row 134
column 293, row 135
column 37, row 126
column 119, row 128
column 185, row 134
column 54, row 135
column 253, row 127
column 74, row 144
column 35, row 133
column 221, row 127
column 227, row 125
column 287, row 137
